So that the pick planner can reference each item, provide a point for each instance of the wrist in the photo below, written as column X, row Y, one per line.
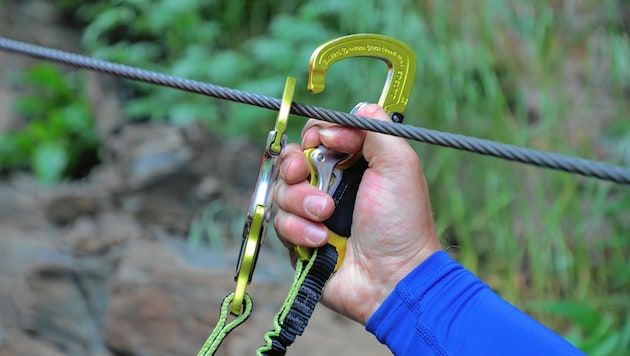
column 388, row 281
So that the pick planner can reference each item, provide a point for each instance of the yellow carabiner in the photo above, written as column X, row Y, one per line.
column 261, row 202
column 401, row 63
column 400, row 59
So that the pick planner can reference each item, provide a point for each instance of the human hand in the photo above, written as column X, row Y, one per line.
column 393, row 229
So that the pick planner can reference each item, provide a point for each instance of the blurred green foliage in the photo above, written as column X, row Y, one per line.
column 58, row 137
column 552, row 75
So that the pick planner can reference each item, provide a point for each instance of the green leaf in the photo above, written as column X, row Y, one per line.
column 49, row 160
column 106, row 21
column 31, row 106
column 77, row 119
column 48, row 76
column 228, row 67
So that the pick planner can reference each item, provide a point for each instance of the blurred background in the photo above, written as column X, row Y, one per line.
column 122, row 204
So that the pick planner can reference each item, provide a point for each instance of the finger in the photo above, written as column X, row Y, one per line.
column 304, row 200
column 297, row 231
column 336, row 137
column 310, row 132
column 293, row 166
column 342, row 139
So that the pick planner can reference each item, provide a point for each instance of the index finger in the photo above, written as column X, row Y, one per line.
column 339, row 138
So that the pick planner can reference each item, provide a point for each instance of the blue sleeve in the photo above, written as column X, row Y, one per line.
column 440, row 308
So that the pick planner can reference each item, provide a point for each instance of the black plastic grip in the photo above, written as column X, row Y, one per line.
column 344, row 196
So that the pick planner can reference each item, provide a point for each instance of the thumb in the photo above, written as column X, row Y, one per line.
column 385, row 153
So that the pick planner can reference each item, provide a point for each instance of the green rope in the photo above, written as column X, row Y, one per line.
column 222, row 330
column 301, row 271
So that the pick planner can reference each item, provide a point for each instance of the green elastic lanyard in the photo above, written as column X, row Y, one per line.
column 301, row 270
column 290, row 321
column 310, row 277
column 222, row 329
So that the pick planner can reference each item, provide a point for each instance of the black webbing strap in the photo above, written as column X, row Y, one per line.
column 291, row 320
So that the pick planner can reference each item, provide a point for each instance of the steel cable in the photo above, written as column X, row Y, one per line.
column 589, row 168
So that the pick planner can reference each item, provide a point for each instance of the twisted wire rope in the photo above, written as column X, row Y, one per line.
column 589, row 168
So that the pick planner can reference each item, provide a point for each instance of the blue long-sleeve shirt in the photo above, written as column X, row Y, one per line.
column 440, row 308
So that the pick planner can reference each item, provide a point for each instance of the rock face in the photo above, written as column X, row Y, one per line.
column 103, row 288
column 101, row 282
column 49, row 296
column 159, row 303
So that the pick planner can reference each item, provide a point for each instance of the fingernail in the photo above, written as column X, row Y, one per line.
column 284, row 166
column 329, row 131
column 315, row 204
column 358, row 107
column 315, row 234
column 368, row 109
